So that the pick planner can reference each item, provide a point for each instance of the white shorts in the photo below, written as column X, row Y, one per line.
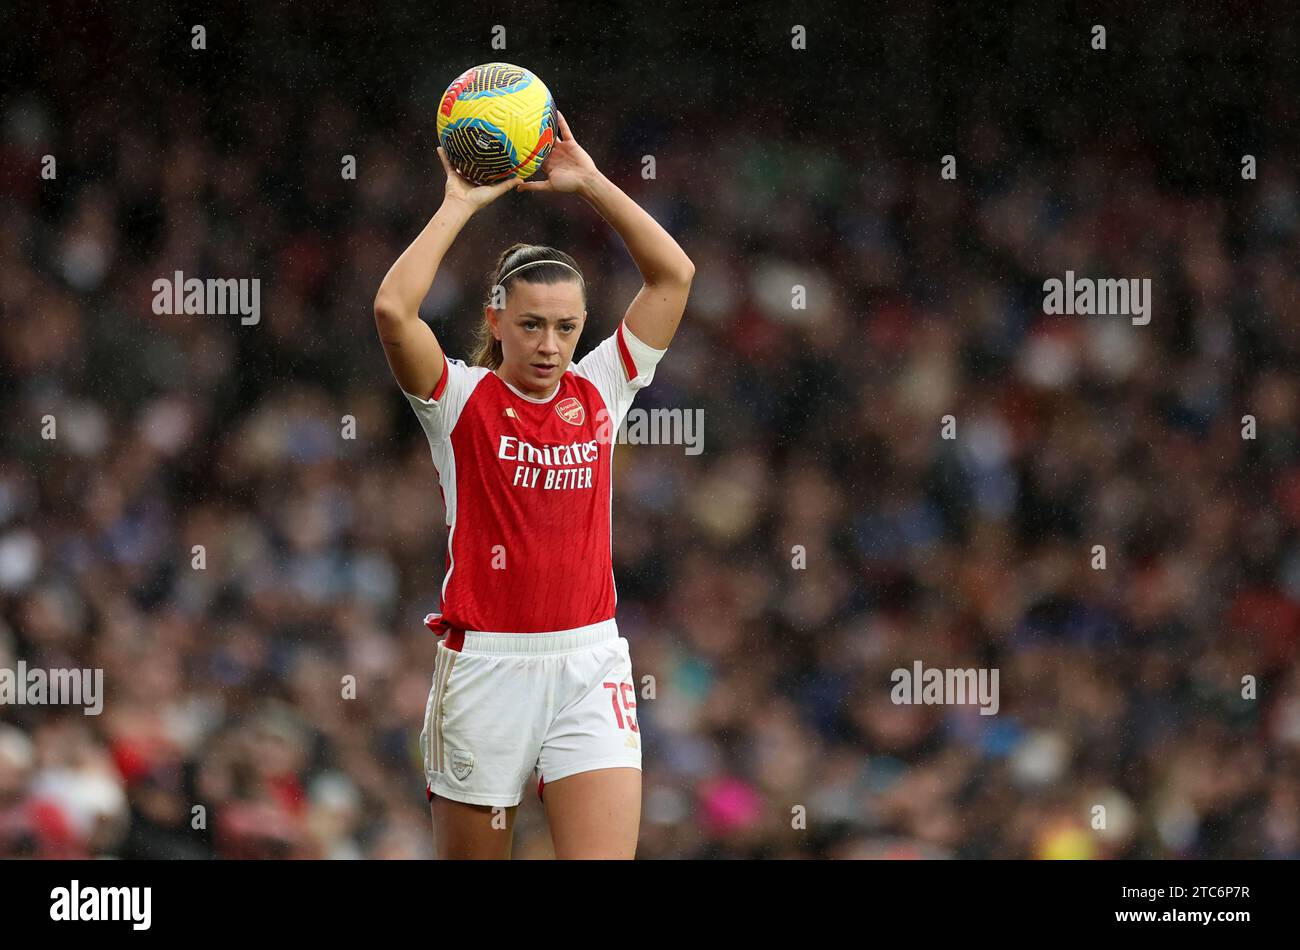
column 509, row 704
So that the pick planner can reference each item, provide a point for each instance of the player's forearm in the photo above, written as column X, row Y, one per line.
column 408, row 281
column 658, row 257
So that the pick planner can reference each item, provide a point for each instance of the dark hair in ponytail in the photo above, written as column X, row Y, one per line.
column 487, row 349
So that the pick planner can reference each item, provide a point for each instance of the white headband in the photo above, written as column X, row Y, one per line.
column 503, row 280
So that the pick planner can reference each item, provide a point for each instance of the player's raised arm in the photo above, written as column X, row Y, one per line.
column 665, row 269
column 410, row 345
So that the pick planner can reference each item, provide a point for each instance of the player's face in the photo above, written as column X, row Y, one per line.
column 538, row 330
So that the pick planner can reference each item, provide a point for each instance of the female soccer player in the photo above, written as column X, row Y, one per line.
column 531, row 675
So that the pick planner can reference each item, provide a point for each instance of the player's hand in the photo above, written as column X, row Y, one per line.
column 460, row 188
column 568, row 168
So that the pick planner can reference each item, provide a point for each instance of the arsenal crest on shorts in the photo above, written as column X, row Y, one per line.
column 462, row 763
column 571, row 411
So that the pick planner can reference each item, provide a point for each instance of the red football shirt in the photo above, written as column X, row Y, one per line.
column 528, row 490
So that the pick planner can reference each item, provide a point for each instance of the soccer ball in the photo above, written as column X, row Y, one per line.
column 494, row 121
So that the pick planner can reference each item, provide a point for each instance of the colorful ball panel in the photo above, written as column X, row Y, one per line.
column 496, row 120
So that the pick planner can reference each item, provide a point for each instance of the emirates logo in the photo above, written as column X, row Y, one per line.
column 571, row 411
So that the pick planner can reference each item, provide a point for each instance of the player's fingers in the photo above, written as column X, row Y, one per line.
column 541, row 185
column 564, row 126
column 442, row 157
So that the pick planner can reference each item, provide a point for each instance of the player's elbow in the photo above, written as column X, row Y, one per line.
column 387, row 311
column 685, row 273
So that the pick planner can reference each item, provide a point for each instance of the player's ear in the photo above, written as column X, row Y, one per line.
column 490, row 316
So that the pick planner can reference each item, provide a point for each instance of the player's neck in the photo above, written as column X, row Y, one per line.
column 534, row 395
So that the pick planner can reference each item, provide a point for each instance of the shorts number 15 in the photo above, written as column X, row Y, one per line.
column 624, row 692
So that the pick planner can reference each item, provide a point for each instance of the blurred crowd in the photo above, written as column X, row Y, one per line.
column 240, row 524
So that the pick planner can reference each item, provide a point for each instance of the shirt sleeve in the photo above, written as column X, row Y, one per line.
column 618, row 367
column 439, row 412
